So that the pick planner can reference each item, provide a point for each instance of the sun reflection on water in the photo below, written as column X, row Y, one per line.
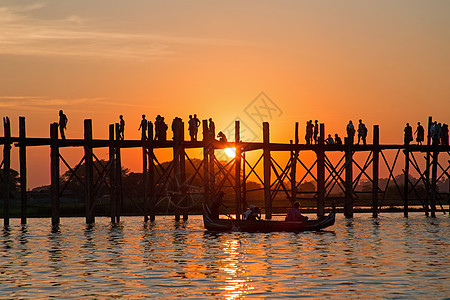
column 237, row 282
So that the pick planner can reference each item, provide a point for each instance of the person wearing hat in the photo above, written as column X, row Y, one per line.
column 217, row 202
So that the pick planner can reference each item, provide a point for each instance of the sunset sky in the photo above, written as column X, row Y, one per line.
column 386, row 62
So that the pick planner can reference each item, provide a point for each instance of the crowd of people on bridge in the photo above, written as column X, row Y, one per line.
column 438, row 132
column 312, row 133
column 177, row 128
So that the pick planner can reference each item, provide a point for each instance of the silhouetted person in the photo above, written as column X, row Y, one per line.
column 211, row 129
column 248, row 212
column 194, row 123
column 62, row 124
column 121, row 128
column 196, row 126
column 420, row 134
column 143, row 128
column 191, row 127
column 157, row 127
column 444, row 134
column 177, row 128
column 217, row 202
column 408, row 138
column 362, row 132
column 329, row 140
column 309, row 132
column 316, row 131
column 435, row 133
column 253, row 214
column 294, row 214
column 162, row 130
column 222, row 137
column 337, row 139
column 350, row 131
column 438, row 133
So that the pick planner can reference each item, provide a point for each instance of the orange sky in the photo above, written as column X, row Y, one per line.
column 385, row 62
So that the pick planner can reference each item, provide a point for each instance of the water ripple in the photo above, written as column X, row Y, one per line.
column 388, row 257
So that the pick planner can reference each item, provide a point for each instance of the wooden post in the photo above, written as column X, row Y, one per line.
column 89, row 172
column 321, row 172
column 267, row 165
column 244, row 183
column 183, row 185
column 206, row 141
column 145, row 173
column 119, row 191
column 212, row 172
column 406, row 182
column 150, row 205
column 112, row 173
column 428, row 158
column 375, row 169
column 448, row 195
column 176, row 169
column 23, row 171
column 54, row 172
column 292, row 173
column 294, row 156
column 434, row 180
column 237, row 174
column 6, row 170
column 348, row 205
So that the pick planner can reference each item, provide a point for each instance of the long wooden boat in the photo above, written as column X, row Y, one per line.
column 266, row 225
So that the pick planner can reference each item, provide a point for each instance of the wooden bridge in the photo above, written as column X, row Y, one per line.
column 336, row 182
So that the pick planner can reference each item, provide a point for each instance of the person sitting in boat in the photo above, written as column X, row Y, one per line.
column 294, row 214
column 252, row 214
column 217, row 202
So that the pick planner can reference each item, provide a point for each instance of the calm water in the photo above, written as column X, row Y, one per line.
column 388, row 257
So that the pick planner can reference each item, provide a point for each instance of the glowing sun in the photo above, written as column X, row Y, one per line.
column 230, row 152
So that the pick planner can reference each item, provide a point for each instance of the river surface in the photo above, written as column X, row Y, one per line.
column 385, row 258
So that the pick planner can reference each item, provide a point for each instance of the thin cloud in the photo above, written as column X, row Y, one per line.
column 39, row 103
column 42, row 103
column 22, row 34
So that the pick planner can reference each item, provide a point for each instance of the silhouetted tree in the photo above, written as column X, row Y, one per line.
column 14, row 184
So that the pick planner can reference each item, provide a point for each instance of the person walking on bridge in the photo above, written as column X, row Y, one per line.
column 62, row 124
column 143, row 128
